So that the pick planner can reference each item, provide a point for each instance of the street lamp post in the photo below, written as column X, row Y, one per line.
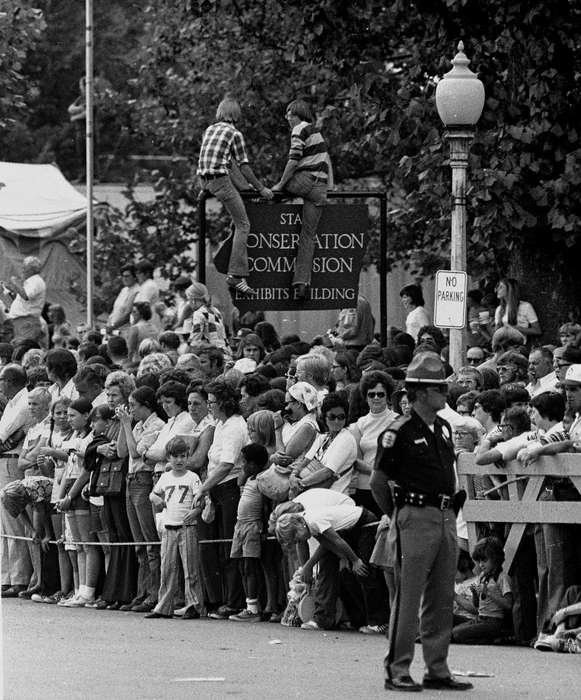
column 459, row 100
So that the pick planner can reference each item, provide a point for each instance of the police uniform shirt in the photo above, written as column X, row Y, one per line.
column 420, row 460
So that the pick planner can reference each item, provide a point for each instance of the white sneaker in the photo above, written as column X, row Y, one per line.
column 180, row 611
column 79, row 602
column 63, row 602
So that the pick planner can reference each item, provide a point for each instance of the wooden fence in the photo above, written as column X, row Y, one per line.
column 519, row 495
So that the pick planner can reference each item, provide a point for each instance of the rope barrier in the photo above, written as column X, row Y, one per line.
column 135, row 544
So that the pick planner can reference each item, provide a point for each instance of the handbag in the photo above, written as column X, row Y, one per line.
column 111, row 481
column 274, row 482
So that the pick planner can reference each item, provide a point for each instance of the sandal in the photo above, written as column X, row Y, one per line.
column 239, row 284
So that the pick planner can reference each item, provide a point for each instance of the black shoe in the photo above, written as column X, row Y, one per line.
column 27, row 593
column 448, row 683
column 115, row 605
column 136, row 601
column 223, row 612
column 191, row 614
column 12, row 591
column 405, row 684
column 156, row 616
column 143, row 607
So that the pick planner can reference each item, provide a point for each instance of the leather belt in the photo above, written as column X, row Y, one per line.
column 10, row 455
column 442, row 501
column 213, row 176
column 173, row 527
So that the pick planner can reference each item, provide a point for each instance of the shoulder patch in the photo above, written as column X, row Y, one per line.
column 390, row 433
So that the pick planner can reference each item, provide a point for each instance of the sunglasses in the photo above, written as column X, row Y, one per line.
column 474, row 360
column 337, row 416
column 376, row 394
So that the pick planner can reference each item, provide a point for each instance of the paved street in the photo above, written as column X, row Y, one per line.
column 56, row 653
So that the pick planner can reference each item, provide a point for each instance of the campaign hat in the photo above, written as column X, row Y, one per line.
column 426, row 368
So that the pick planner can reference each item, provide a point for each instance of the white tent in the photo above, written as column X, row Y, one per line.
column 42, row 214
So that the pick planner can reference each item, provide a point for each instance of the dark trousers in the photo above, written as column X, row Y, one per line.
column 523, row 575
column 480, row 631
column 365, row 598
column 121, row 578
column 425, row 566
column 216, row 558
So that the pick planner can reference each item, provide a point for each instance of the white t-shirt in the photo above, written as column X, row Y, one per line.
column 338, row 456
column 337, row 518
column 525, row 315
column 416, row 319
column 230, row 436
column 178, row 493
column 35, row 289
column 321, row 498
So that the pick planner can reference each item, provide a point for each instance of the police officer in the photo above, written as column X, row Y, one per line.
column 416, row 457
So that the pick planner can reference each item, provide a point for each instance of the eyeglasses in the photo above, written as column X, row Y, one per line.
column 376, row 394
column 209, row 401
column 461, row 433
column 505, row 426
column 474, row 360
column 337, row 416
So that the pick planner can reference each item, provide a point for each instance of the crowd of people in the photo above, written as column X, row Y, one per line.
column 169, row 465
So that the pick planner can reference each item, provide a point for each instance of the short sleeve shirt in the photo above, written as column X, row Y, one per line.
column 178, row 493
column 38, row 489
column 230, row 436
column 35, row 289
column 336, row 518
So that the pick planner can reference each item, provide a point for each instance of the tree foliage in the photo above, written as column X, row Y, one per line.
column 370, row 68
column 21, row 26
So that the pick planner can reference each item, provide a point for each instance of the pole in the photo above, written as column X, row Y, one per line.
column 459, row 140
column 383, row 270
column 89, row 152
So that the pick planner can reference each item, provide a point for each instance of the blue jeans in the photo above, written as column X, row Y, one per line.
column 314, row 196
column 143, row 529
column 223, row 189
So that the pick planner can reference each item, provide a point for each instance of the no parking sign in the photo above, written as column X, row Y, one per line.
column 450, row 299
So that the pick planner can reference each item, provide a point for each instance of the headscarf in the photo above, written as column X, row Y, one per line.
column 305, row 393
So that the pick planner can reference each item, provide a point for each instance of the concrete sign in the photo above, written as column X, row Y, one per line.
column 450, row 299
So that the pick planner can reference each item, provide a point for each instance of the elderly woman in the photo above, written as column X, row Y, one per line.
column 469, row 378
column 39, row 401
column 153, row 363
column 300, row 426
column 207, row 322
column 329, row 461
column 377, row 389
column 224, row 466
column 314, row 369
column 134, row 442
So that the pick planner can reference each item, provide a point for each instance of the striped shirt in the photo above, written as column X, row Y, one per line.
column 308, row 147
column 222, row 142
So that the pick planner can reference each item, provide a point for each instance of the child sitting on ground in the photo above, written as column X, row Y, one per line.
column 247, row 538
column 491, row 597
column 564, row 634
column 175, row 491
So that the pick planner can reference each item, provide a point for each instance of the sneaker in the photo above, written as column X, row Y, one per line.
column 66, row 599
column 310, row 625
column 54, row 598
column 374, row 629
column 239, row 284
column 246, row 616
column 223, row 612
column 78, row 602
column 179, row 612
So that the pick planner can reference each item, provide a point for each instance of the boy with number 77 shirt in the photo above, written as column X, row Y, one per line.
column 175, row 492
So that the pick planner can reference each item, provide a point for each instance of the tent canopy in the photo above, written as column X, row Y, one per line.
column 42, row 214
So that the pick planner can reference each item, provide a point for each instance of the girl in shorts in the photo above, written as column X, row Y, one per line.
column 70, row 500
